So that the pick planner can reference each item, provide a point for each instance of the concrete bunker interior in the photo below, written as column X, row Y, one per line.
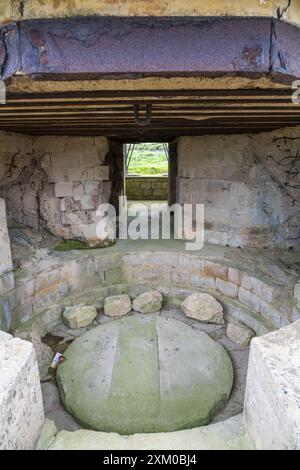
column 233, row 132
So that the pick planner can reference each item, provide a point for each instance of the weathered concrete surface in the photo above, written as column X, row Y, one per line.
column 55, row 184
column 44, row 354
column 21, row 406
column 139, row 374
column 9, row 9
column 239, row 356
column 272, row 400
column 23, row 84
column 54, row 410
column 5, row 253
column 226, row 435
column 249, row 185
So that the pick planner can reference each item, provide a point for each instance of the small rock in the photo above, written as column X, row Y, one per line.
column 203, row 307
column 79, row 316
column 44, row 354
column 117, row 305
column 148, row 302
column 239, row 334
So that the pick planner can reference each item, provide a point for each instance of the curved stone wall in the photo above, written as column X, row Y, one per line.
column 247, row 290
column 253, row 295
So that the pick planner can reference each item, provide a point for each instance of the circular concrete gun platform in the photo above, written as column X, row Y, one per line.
column 144, row 373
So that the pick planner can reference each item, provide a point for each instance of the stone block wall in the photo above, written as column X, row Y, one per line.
column 55, row 183
column 147, row 188
column 249, row 294
column 249, row 185
column 269, row 299
column 78, row 182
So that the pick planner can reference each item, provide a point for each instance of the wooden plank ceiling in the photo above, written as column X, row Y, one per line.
column 174, row 113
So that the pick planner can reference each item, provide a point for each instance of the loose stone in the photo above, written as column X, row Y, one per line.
column 203, row 307
column 79, row 316
column 117, row 305
column 239, row 334
column 148, row 302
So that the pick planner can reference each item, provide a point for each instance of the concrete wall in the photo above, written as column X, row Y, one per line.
column 55, row 183
column 5, row 254
column 249, row 184
column 296, row 306
column 78, row 182
column 17, row 9
column 272, row 400
column 21, row 404
column 6, row 275
column 147, row 188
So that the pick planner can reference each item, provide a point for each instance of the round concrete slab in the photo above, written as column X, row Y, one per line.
column 144, row 373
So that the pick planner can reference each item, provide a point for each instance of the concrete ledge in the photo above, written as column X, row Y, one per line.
column 268, row 300
column 272, row 400
column 227, row 435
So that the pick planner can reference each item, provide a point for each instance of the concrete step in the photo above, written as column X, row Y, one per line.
column 230, row 434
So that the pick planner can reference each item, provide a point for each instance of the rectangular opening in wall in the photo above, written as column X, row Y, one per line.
column 147, row 169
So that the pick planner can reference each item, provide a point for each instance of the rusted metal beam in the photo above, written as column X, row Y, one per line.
column 138, row 46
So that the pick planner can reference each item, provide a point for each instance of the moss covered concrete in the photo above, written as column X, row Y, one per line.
column 144, row 374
